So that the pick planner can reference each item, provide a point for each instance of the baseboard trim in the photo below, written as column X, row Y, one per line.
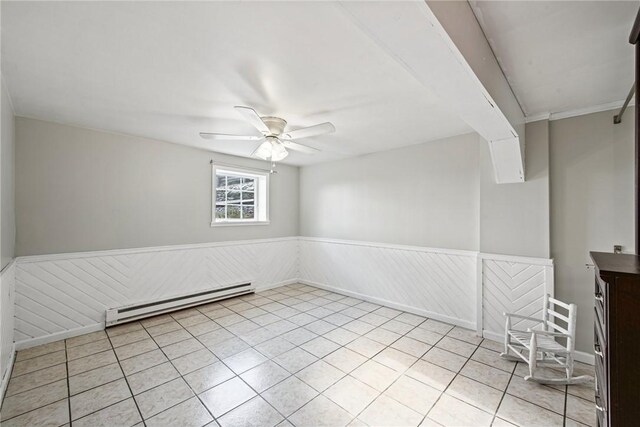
column 397, row 306
column 579, row 356
column 24, row 344
column 6, row 375
column 584, row 357
column 493, row 336
column 276, row 285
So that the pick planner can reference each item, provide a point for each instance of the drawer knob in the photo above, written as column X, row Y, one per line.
column 597, row 349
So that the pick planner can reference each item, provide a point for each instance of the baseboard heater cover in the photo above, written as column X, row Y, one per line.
column 133, row 312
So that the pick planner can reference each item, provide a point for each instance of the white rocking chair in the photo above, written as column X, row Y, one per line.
column 541, row 340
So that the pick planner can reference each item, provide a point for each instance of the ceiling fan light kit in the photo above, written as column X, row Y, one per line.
column 274, row 139
column 271, row 149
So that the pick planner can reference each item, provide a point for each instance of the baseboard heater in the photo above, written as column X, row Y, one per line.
column 153, row 308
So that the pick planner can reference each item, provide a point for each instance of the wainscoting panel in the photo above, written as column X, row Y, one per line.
column 513, row 285
column 59, row 294
column 437, row 283
column 7, row 293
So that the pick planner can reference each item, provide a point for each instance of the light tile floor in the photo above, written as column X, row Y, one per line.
column 294, row 355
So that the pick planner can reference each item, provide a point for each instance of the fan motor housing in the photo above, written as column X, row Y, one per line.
column 276, row 125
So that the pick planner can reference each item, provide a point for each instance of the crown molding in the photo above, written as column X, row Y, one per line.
column 577, row 112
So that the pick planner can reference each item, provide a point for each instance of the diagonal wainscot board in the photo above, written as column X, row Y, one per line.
column 7, row 304
column 436, row 283
column 511, row 285
column 58, row 296
column 62, row 294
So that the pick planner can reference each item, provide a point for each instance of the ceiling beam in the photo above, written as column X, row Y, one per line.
column 457, row 65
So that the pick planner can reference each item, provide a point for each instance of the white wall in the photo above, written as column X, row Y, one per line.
column 7, row 234
column 592, row 203
column 7, row 211
column 422, row 195
column 439, row 194
column 84, row 190
column 514, row 218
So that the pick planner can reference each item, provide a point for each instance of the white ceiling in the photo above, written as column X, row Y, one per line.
column 169, row 70
column 562, row 56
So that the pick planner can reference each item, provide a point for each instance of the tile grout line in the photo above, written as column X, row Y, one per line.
column 36, row 370
column 181, row 377
column 66, row 367
column 394, row 381
column 41, row 385
column 221, row 361
column 566, row 398
column 340, row 346
column 445, row 389
column 504, row 393
column 348, row 374
column 125, row 379
column 259, row 394
column 218, row 360
column 300, row 347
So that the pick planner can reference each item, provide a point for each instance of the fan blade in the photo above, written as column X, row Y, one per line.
column 252, row 117
column 299, row 147
column 314, row 130
column 223, row 137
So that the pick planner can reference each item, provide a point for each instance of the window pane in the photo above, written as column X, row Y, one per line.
column 237, row 197
column 233, row 212
column 248, row 184
column 234, row 182
column 247, row 212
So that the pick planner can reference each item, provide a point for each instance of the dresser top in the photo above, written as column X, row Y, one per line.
column 616, row 263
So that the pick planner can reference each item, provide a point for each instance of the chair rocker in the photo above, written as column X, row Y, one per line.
column 538, row 346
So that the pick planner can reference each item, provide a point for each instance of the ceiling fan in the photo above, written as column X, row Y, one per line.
column 275, row 140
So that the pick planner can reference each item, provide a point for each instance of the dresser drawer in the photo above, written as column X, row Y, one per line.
column 601, row 414
column 600, row 296
column 599, row 325
column 602, row 386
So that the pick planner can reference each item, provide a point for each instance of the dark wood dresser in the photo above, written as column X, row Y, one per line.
column 617, row 338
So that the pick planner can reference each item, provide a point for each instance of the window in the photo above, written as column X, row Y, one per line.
column 239, row 197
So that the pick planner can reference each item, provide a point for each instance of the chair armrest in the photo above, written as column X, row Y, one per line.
column 550, row 334
column 519, row 316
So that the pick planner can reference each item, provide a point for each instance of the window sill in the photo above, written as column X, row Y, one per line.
column 238, row 223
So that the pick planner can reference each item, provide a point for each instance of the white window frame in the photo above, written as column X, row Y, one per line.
column 261, row 195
